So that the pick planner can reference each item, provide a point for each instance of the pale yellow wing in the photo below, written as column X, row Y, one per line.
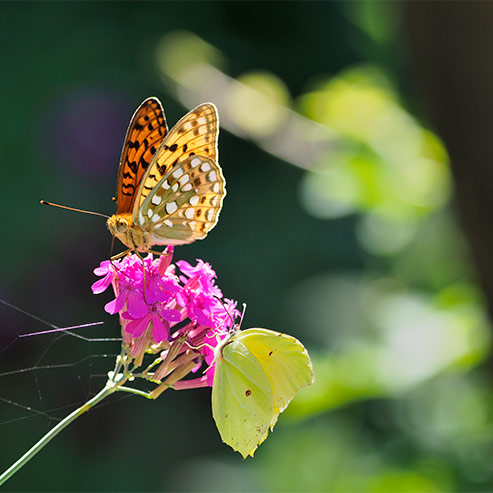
column 285, row 362
column 241, row 399
column 195, row 134
column 184, row 206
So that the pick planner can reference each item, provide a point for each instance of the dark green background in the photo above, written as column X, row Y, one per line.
column 71, row 75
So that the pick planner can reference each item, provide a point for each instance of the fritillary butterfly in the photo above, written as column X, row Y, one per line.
column 170, row 188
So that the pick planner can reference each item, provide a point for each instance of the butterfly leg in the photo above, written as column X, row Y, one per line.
column 116, row 257
column 158, row 253
column 119, row 255
column 143, row 272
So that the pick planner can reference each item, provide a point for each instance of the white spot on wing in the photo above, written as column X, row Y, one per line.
column 216, row 187
column 141, row 218
column 175, row 187
column 168, row 223
column 184, row 179
column 214, row 200
column 187, row 187
column 209, row 214
column 177, row 173
column 171, row 207
column 205, row 167
column 165, row 185
column 155, row 218
column 189, row 213
column 156, row 200
column 150, row 212
column 194, row 200
column 212, row 176
column 195, row 162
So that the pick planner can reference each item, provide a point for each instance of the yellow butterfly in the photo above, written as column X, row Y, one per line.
column 170, row 187
column 258, row 372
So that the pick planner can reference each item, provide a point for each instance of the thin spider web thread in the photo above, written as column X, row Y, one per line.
column 40, row 365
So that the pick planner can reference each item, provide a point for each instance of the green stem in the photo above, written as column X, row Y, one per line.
column 141, row 393
column 107, row 390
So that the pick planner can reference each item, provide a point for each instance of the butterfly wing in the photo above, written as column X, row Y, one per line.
column 185, row 204
column 285, row 362
column 195, row 134
column 241, row 399
column 145, row 134
column 257, row 374
column 181, row 193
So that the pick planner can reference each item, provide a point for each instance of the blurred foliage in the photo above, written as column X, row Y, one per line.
column 340, row 234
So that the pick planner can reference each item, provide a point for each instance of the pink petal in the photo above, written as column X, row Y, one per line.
column 170, row 314
column 136, row 306
column 154, row 293
column 160, row 331
column 126, row 316
column 185, row 267
column 201, row 269
column 182, row 298
column 137, row 327
column 200, row 315
column 116, row 305
column 103, row 268
column 101, row 285
column 168, row 285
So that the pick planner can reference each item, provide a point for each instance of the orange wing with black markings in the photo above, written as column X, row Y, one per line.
column 145, row 134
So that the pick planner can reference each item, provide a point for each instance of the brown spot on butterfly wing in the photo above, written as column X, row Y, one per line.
column 146, row 131
column 181, row 209
column 195, row 134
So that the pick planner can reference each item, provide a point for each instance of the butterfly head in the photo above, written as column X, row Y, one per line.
column 117, row 225
column 121, row 226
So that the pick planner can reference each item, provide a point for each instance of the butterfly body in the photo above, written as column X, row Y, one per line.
column 257, row 373
column 170, row 187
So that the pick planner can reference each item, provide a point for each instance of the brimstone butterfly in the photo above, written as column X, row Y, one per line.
column 258, row 371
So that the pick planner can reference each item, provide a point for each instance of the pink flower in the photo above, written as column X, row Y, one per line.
column 159, row 309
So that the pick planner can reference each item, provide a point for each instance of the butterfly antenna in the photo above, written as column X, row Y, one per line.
column 226, row 310
column 235, row 325
column 242, row 315
column 44, row 202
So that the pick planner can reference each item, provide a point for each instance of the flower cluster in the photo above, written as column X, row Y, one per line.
column 175, row 310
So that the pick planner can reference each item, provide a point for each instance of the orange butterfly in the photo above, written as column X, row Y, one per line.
column 170, row 188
